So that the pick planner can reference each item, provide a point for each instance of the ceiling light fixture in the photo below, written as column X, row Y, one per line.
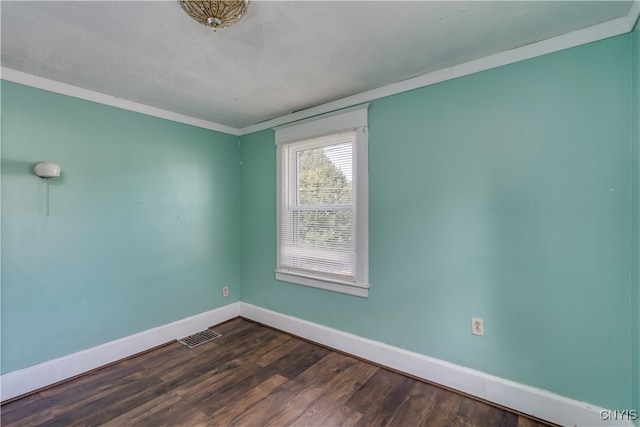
column 215, row 13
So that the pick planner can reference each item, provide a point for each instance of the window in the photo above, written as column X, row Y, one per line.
column 323, row 203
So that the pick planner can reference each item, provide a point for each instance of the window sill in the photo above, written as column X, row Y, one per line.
column 328, row 285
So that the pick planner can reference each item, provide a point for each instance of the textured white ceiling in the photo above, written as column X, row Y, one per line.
column 282, row 57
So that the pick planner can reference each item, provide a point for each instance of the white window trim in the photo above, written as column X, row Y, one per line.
column 351, row 119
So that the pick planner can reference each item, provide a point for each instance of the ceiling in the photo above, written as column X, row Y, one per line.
column 282, row 57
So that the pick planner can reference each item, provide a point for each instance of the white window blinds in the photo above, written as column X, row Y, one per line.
column 323, row 202
column 317, row 222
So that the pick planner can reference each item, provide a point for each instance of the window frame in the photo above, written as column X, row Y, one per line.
column 299, row 134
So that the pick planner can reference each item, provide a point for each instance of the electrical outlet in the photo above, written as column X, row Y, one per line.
column 225, row 291
column 477, row 326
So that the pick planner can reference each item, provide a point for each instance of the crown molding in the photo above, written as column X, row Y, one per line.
column 112, row 101
column 575, row 38
column 594, row 33
column 633, row 15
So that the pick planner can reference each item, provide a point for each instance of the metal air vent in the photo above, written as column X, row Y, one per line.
column 199, row 338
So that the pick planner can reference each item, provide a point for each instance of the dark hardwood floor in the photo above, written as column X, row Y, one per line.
column 251, row 376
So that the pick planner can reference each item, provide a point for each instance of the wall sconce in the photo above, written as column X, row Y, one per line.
column 47, row 170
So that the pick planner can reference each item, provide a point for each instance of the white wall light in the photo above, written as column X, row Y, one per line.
column 47, row 170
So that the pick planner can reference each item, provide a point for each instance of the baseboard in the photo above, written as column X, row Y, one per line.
column 35, row 377
column 529, row 400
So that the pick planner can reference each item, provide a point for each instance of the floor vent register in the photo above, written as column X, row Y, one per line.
column 199, row 338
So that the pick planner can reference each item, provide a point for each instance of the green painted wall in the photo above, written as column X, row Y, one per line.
column 502, row 195
column 635, row 253
column 143, row 228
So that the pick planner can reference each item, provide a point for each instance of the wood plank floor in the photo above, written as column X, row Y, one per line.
column 251, row 376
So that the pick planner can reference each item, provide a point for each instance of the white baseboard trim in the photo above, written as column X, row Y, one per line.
column 529, row 400
column 29, row 379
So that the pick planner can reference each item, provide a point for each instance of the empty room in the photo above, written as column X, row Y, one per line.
column 320, row 213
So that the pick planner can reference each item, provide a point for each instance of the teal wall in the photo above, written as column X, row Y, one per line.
column 635, row 253
column 502, row 195
column 143, row 228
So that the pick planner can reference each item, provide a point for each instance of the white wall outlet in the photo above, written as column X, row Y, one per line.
column 477, row 326
column 225, row 291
